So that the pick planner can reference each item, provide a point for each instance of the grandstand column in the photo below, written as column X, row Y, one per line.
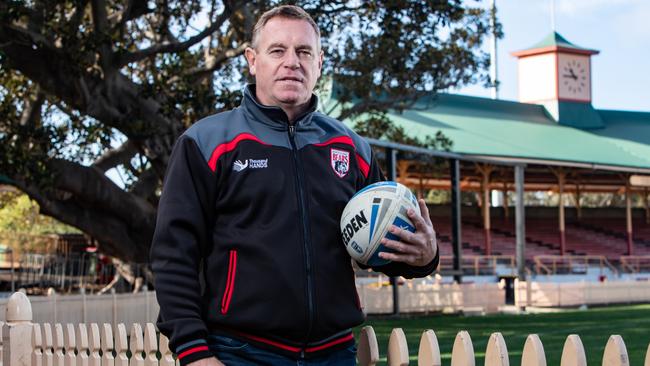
column 628, row 215
column 561, row 178
column 454, row 170
column 391, row 170
column 520, row 222
column 485, row 170
column 506, row 213
column 578, row 206
column 646, row 205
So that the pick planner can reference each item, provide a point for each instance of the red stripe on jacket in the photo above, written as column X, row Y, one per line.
column 192, row 350
column 298, row 349
column 230, row 283
column 229, row 146
column 363, row 165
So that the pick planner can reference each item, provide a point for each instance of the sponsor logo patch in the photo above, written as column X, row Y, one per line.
column 240, row 165
column 340, row 162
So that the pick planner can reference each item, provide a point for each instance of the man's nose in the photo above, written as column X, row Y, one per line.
column 292, row 61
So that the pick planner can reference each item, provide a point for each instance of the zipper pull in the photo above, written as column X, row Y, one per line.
column 292, row 130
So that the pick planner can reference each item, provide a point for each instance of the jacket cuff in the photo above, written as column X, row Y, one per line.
column 193, row 351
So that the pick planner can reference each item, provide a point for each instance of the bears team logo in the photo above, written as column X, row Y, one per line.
column 340, row 162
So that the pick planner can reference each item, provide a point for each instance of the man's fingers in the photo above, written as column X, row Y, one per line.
column 406, row 258
column 425, row 211
column 400, row 246
column 405, row 235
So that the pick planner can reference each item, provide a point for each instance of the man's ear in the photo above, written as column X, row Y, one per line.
column 251, row 56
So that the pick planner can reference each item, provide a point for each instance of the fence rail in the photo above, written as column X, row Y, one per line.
column 25, row 343
column 571, row 264
column 479, row 265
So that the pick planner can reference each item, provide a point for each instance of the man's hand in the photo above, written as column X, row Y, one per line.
column 212, row 361
column 418, row 248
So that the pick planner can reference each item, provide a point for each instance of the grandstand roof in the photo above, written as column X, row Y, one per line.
column 514, row 131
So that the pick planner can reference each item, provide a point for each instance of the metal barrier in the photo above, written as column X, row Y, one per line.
column 479, row 265
column 635, row 263
column 568, row 264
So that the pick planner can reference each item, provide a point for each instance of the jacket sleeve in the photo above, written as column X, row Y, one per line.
column 182, row 233
column 397, row 268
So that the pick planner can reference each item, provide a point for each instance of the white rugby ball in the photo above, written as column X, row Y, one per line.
column 368, row 216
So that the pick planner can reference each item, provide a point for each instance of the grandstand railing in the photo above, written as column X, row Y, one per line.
column 25, row 343
column 568, row 264
column 477, row 265
column 635, row 263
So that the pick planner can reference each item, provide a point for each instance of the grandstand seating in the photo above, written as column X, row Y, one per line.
column 604, row 236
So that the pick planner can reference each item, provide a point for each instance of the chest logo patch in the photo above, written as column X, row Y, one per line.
column 239, row 165
column 340, row 162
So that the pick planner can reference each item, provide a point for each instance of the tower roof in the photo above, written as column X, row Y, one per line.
column 552, row 43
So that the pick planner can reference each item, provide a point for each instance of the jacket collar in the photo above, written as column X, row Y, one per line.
column 273, row 115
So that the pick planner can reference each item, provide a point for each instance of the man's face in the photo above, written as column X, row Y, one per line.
column 286, row 62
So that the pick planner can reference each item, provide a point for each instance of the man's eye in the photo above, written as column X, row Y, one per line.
column 277, row 52
column 305, row 53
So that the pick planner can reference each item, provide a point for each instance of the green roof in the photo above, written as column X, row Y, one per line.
column 579, row 115
column 555, row 39
column 505, row 129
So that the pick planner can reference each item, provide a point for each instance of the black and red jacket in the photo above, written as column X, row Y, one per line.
column 247, row 239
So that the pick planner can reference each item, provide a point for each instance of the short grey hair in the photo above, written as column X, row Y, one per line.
column 284, row 11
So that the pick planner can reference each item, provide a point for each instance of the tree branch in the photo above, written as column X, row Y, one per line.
column 215, row 62
column 100, row 22
column 96, row 190
column 26, row 37
column 112, row 158
column 175, row 46
column 146, row 185
column 134, row 9
column 31, row 115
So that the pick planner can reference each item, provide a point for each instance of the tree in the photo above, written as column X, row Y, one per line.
column 90, row 86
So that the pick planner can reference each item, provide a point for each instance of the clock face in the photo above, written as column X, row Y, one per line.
column 574, row 77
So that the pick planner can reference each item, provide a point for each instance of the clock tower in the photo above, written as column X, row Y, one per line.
column 557, row 74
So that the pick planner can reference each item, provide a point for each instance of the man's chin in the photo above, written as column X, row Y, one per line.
column 292, row 99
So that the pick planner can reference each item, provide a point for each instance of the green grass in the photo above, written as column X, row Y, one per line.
column 594, row 326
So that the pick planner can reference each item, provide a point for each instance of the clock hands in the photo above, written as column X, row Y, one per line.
column 571, row 74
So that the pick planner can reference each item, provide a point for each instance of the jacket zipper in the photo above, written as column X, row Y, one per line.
column 230, row 282
column 304, row 222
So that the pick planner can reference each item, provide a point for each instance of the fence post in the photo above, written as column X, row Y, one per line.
column 150, row 345
column 17, row 331
column 166, row 357
column 429, row 351
column 368, row 350
column 398, row 350
column 615, row 352
column 94, row 345
column 37, row 345
column 69, row 343
column 496, row 353
column 533, row 354
column 462, row 353
column 573, row 353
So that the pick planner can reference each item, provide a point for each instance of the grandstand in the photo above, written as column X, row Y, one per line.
column 558, row 143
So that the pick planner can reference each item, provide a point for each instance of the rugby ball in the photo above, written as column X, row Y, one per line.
column 368, row 216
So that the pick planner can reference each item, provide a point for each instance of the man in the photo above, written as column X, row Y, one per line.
column 248, row 259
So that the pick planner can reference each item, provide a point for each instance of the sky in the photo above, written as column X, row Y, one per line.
column 619, row 29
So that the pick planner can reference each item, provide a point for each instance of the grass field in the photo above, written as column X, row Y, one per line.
column 594, row 326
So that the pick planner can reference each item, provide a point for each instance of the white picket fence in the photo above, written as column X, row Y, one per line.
column 25, row 343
